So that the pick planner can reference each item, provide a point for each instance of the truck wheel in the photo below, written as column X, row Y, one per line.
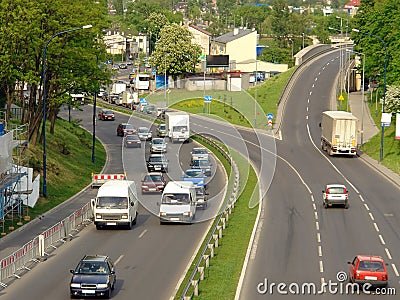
column 346, row 205
column 135, row 219
column 98, row 227
column 325, row 205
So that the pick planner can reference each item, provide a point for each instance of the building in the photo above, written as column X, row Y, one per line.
column 202, row 38
column 126, row 46
column 351, row 7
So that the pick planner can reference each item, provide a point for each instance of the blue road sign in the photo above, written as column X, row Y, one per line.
column 207, row 99
column 270, row 116
column 143, row 100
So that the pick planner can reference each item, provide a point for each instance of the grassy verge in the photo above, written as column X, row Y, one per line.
column 229, row 256
column 69, row 167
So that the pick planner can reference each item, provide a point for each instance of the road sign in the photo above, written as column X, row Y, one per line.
column 207, row 99
column 142, row 100
column 269, row 122
column 341, row 98
column 386, row 119
column 270, row 116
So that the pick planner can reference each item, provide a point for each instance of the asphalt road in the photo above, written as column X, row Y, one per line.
column 150, row 258
column 301, row 242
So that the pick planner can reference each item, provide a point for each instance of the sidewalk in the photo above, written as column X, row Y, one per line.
column 369, row 129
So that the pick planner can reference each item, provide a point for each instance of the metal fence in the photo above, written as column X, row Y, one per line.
column 37, row 250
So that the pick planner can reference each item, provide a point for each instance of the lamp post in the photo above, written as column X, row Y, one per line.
column 44, row 100
column 255, row 96
column 303, row 41
column 341, row 62
column 384, row 85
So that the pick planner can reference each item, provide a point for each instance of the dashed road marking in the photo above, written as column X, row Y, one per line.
column 371, row 216
column 382, row 240
column 320, row 250
column 366, row 206
column 376, row 227
column 143, row 233
column 316, row 215
column 388, row 253
column 395, row 270
column 317, row 225
column 321, row 266
column 318, row 237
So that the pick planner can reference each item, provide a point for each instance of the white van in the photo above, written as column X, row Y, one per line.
column 178, row 202
column 116, row 204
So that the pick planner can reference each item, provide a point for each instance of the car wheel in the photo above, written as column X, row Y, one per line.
column 325, row 205
column 346, row 206
column 98, row 227
column 107, row 294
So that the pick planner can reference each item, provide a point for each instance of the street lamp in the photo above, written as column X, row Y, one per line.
column 44, row 100
column 303, row 40
column 341, row 61
column 384, row 85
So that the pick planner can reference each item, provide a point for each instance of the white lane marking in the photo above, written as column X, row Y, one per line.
column 317, row 225
column 323, row 283
column 318, row 237
column 376, row 227
column 118, row 259
column 312, row 198
column 388, row 215
column 320, row 251
column 316, row 215
column 143, row 233
column 316, row 78
column 366, row 206
column 388, row 253
column 382, row 240
column 308, row 100
column 310, row 93
column 362, row 199
column 314, row 206
column 371, row 216
column 395, row 270
column 306, row 117
column 321, row 266
column 307, row 108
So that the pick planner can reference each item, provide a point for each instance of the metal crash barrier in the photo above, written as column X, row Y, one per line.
column 37, row 250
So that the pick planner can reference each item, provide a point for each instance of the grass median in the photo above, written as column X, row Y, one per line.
column 223, row 274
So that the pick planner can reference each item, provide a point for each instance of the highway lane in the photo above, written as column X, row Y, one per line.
column 150, row 258
column 314, row 242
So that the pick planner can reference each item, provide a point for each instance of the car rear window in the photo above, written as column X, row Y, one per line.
column 336, row 190
column 370, row 266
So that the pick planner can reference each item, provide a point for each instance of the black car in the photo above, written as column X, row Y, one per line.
column 94, row 276
column 157, row 163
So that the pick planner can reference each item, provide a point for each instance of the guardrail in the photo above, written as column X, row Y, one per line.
column 38, row 249
column 216, row 232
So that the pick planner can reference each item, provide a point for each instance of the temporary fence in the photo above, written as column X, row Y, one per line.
column 37, row 250
column 99, row 179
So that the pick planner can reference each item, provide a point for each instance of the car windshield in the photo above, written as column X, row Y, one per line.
column 175, row 199
column 127, row 126
column 336, row 190
column 156, row 159
column 92, row 268
column 200, row 191
column 132, row 137
column 162, row 127
column 199, row 151
column 158, row 141
column 179, row 128
column 143, row 130
column 112, row 202
column 371, row 266
column 194, row 173
column 107, row 112
column 200, row 163
column 153, row 178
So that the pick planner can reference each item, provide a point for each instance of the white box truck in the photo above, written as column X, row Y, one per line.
column 118, row 87
column 339, row 133
column 177, row 123
column 116, row 204
column 178, row 202
column 129, row 99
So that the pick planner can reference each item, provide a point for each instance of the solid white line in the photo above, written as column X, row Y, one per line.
column 319, row 251
column 395, row 270
column 388, row 253
column 366, row 206
column 317, row 225
column 321, row 266
column 143, row 233
column 382, row 240
column 371, row 216
column 118, row 259
column 376, row 227
column 318, row 237
column 316, row 215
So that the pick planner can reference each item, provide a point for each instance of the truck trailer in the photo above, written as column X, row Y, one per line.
column 177, row 123
column 339, row 133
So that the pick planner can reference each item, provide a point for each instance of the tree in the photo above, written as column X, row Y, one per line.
column 392, row 101
column 174, row 52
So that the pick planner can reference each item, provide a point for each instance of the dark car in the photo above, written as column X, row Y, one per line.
column 124, row 129
column 106, row 114
column 157, row 163
column 153, row 182
column 202, row 164
column 94, row 276
column 132, row 141
column 162, row 130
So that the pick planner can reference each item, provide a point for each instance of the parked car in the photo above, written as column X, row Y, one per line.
column 153, row 182
column 158, row 145
column 199, row 153
column 157, row 163
column 132, row 141
column 335, row 194
column 106, row 114
column 162, row 130
column 202, row 164
column 196, row 176
column 124, row 129
column 144, row 133
column 94, row 276
column 368, row 269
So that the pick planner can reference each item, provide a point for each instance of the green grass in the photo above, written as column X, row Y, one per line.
column 69, row 167
column 229, row 256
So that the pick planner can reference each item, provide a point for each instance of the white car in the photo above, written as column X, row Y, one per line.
column 335, row 194
column 144, row 133
column 199, row 153
column 158, row 145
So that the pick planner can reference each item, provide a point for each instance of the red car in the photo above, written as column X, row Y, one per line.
column 124, row 129
column 153, row 182
column 106, row 114
column 368, row 269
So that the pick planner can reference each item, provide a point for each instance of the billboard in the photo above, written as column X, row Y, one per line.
column 217, row 61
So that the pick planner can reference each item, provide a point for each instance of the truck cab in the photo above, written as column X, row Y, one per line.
column 116, row 204
column 178, row 202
